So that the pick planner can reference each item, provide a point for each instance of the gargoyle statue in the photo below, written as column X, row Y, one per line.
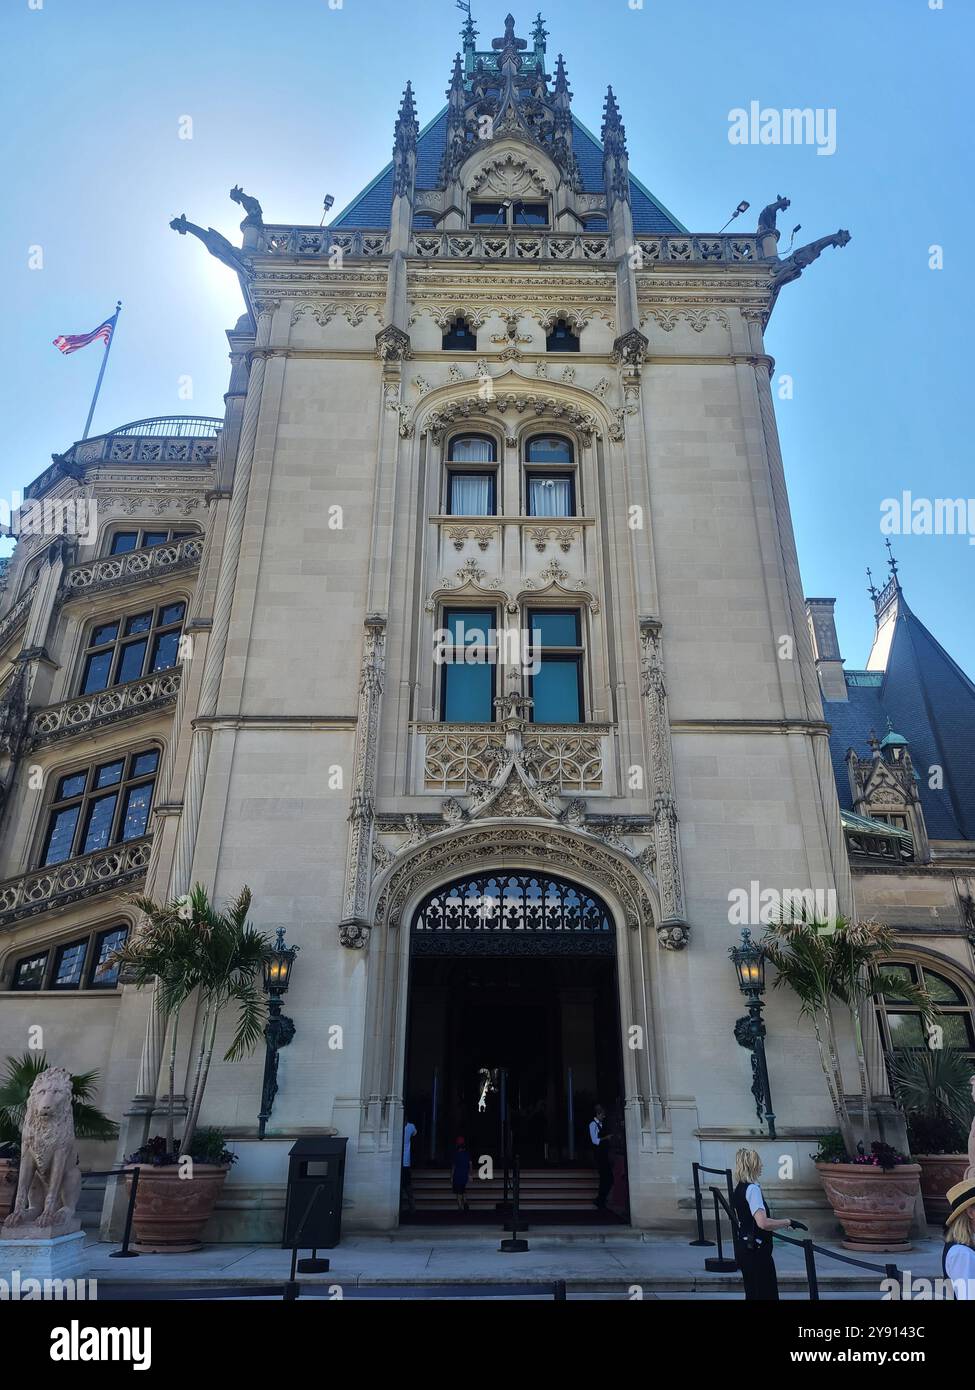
column 216, row 244
column 250, row 205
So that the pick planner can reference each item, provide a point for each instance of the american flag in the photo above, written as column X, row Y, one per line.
column 71, row 342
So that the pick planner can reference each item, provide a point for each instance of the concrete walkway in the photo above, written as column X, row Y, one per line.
column 607, row 1263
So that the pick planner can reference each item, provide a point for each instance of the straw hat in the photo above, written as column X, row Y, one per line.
column 960, row 1197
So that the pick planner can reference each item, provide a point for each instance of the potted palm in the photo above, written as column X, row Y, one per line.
column 187, row 946
column 840, row 963
column 934, row 1089
column 15, row 1087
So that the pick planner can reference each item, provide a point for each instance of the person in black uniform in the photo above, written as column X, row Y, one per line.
column 755, row 1224
column 599, row 1137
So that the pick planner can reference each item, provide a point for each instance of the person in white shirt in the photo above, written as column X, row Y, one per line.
column 599, row 1139
column 754, row 1227
column 409, row 1132
column 958, row 1256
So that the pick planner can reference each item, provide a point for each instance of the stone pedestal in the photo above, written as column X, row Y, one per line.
column 38, row 1257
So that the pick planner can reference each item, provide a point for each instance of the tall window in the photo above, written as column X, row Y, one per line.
column 82, row 964
column 901, row 1024
column 106, row 804
column 468, row 665
column 127, row 648
column 562, row 338
column 124, row 541
column 550, row 490
column 556, row 688
column 472, row 487
column 460, row 337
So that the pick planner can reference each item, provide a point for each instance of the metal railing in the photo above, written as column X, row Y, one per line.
column 809, row 1248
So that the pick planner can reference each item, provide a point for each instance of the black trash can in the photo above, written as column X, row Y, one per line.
column 316, row 1180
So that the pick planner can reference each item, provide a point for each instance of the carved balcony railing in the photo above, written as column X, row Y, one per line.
column 502, row 245
column 149, row 562
column 43, row 890
column 319, row 241
column 17, row 614
column 576, row 755
column 89, row 712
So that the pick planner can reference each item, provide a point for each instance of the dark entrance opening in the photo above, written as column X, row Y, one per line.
column 513, row 1036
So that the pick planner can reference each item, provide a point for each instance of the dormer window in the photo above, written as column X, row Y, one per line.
column 460, row 337
column 510, row 213
column 562, row 338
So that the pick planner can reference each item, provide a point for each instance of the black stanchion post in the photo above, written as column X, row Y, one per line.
column 559, row 1294
column 314, row 1265
column 514, row 1246
column 125, row 1253
column 718, row 1264
column 809, row 1250
column 699, row 1207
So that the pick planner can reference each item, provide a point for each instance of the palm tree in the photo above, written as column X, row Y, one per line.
column 933, row 1087
column 188, row 945
column 824, row 963
column 22, row 1072
column 164, row 955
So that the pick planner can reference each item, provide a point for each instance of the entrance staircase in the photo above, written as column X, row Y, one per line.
column 562, row 1190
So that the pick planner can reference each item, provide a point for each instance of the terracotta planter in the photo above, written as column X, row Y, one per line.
column 171, row 1212
column 938, row 1173
column 8, row 1186
column 874, row 1207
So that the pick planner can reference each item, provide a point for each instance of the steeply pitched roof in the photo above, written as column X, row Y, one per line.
column 371, row 208
column 927, row 697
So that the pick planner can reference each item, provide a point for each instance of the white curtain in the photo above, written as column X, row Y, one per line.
column 470, row 494
column 550, row 496
column 471, row 451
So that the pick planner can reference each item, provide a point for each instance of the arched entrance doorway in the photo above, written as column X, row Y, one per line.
column 513, row 1036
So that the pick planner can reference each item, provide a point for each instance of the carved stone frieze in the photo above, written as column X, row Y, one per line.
column 358, row 871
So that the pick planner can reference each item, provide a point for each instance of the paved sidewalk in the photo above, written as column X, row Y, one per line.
column 591, row 1263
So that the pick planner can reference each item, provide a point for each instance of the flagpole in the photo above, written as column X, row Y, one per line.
column 101, row 370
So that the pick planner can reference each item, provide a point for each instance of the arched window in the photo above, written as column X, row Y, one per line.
column 901, row 1025
column 561, row 338
column 522, row 905
column 472, row 475
column 460, row 337
column 550, row 483
column 107, row 803
column 84, row 962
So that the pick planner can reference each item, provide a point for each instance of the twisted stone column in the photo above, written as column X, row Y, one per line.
column 672, row 929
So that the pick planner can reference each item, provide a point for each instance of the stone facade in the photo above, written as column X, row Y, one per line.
column 301, row 743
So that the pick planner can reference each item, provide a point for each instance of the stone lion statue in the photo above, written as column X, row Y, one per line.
column 49, row 1180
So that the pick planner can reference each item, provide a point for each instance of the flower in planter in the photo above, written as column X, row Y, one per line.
column 207, row 1146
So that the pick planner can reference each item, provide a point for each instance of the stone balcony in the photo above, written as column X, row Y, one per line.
column 450, row 756
column 45, row 890
column 166, row 441
column 150, row 562
column 88, row 712
column 487, row 244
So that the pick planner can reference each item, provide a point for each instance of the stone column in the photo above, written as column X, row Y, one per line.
column 672, row 929
column 354, row 927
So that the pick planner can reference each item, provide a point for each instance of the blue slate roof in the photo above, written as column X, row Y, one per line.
column 928, row 698
column 372, row 206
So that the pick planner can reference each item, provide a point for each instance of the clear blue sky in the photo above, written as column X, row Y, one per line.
column 295, row 99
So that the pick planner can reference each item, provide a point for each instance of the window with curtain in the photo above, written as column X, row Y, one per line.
column 901, row 1024
column 471, row 494
column 472, row 448
column 550, row 494
column 556, row 687
column 105, row 804
column 467, row 683
column 549, row 448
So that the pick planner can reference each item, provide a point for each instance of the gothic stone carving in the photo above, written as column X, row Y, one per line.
column 672, row 931
column 353, row 930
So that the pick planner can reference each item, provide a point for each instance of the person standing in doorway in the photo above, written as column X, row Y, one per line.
column 755, row 1224
column 599, row 1137
column 461, row 1173
column 409, row 1134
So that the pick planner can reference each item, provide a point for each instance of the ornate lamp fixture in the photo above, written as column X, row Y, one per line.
column 279, row 1029
column 749, row 962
